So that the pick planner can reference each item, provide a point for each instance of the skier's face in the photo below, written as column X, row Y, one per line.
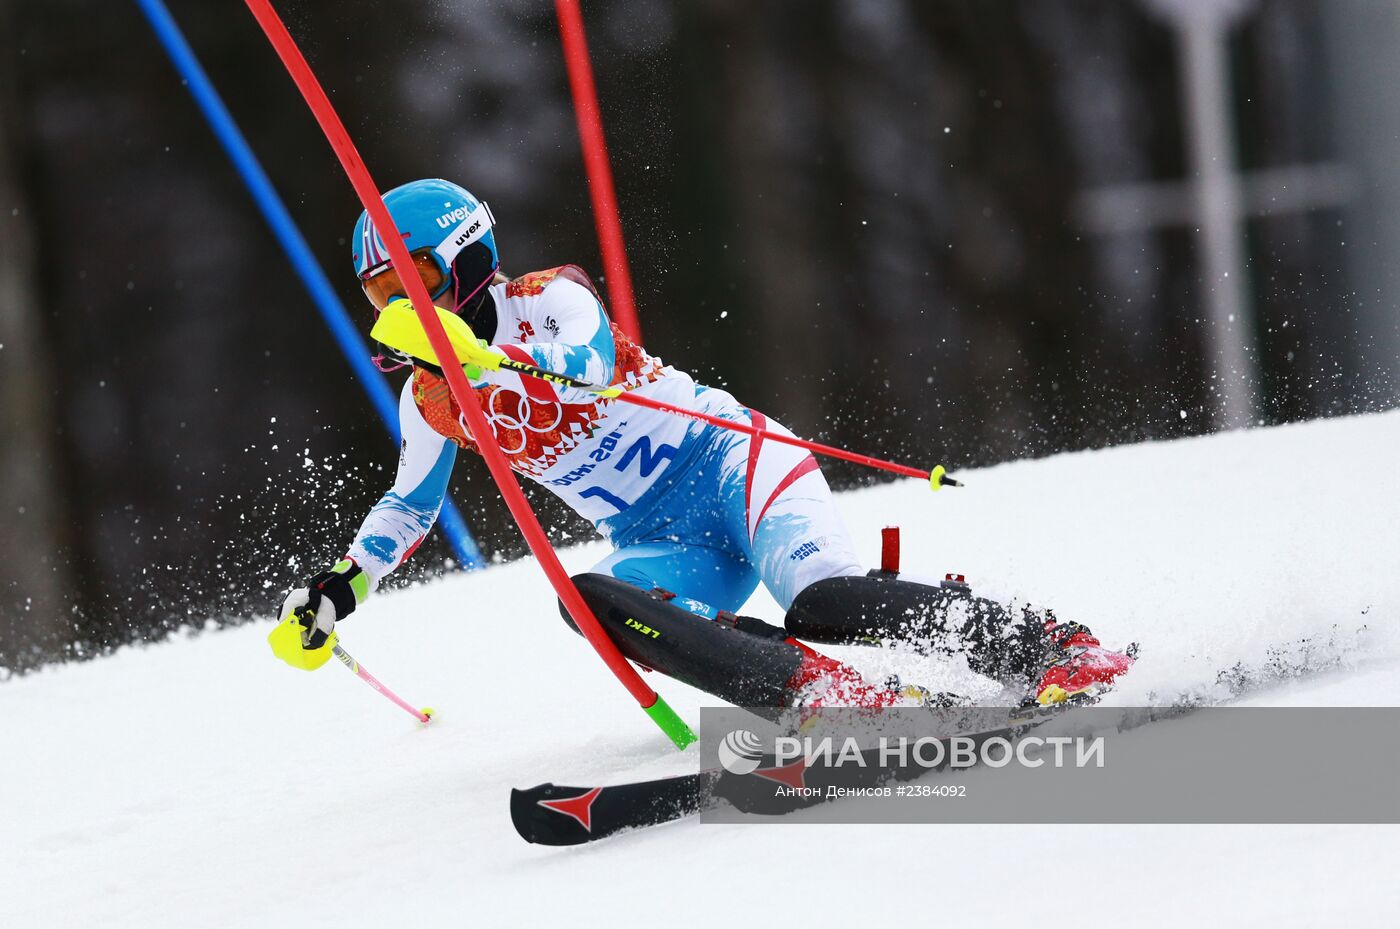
column 382, row 284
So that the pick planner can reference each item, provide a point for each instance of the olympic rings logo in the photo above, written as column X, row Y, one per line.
column 511, row 429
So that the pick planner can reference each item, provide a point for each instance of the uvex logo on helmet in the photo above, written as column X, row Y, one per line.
column 466, row 234
column 456, row 216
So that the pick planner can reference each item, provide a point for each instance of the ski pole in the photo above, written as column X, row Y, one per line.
column 400, row 328
column 425, row 715
column 937, row 477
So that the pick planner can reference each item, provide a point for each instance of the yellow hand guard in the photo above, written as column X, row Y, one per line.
column 287, row 643
column 399, row 327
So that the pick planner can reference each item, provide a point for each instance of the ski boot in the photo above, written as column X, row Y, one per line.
column 821, row 681
column 1076, row 667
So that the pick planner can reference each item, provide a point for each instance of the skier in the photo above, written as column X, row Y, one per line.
column 697, row 515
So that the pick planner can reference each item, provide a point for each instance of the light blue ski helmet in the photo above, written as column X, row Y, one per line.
column 442, row 222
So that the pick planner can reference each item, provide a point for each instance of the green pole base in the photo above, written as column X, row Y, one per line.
column 675, row 728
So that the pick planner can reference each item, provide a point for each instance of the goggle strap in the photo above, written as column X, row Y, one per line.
column 385, row 364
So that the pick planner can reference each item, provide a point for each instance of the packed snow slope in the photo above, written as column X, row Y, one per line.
column 202, row 783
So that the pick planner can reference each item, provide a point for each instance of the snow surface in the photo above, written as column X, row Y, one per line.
column 202, row 783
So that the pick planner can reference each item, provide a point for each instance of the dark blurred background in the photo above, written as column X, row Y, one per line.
column 940, row 230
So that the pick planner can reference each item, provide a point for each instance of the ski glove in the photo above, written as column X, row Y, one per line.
column 327, row 598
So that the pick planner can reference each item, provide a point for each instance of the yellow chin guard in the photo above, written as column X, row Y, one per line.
column 285, row 639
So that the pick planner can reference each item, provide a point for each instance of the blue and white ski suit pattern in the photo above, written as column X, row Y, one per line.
column 698, row 510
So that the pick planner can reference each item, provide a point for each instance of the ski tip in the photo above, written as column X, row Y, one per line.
column 554, row 815
column 425, row 715
column 518, row 807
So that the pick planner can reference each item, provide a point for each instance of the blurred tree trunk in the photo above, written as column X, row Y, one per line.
column 774, row 144
column 33, row 621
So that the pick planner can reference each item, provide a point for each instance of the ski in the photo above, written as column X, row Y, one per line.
column 549, row 814
column 554, row 815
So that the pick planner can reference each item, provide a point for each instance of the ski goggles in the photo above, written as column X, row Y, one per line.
column 382, row 283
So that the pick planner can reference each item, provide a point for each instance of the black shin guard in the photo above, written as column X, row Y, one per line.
column 734, row 664
column 878, row 607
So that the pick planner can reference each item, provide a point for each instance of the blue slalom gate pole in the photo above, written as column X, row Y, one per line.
column 332, row 311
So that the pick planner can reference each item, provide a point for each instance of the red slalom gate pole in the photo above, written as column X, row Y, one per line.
column 301, row 73
column 617, row 275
